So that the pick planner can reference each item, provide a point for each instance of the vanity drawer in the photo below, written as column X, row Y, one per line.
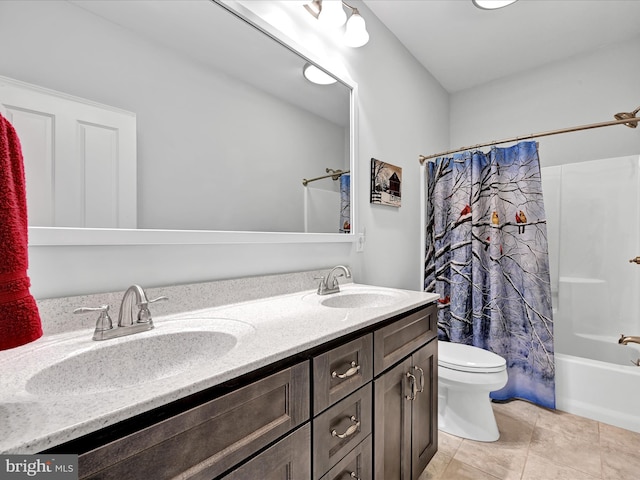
column 399, row 339
column 341, row 371
column 207, row 440
column 357, row 464
column 289, row 459
column 339, row 429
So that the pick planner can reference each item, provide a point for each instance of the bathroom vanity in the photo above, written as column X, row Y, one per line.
column 323, row 387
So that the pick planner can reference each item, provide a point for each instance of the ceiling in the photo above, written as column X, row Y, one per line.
column 463, row 46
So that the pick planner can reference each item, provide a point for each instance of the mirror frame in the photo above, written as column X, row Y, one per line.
column 67, row 236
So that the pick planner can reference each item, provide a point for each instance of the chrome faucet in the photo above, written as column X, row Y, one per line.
column 330, row 284
column 134, row 308
column 134, row 315
column 624, row 339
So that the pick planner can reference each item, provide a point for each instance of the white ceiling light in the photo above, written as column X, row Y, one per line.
column 355, row 34
column 492, row 4
column 315, row 75
column 331, row 14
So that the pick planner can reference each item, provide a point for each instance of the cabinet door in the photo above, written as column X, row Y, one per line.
column 289, row 459
column 392, row 424
column 210, row 439
column 424, row 409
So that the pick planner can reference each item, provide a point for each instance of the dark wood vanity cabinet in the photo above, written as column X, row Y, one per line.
column 365, row 408
column 394, row 373
column 405, row 396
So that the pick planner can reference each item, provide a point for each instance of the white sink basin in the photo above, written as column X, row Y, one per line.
column 359, row 300
column 358, row 296
column 126, row 362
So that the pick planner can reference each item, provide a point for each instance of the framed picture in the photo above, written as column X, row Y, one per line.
column 386, row 183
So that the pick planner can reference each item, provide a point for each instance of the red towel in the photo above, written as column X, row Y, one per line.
column 19, row 318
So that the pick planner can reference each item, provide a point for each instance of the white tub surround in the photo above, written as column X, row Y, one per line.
column 266, row 330
column 595, row 283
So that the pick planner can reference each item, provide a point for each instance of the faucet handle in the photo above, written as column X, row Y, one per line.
column 104, row 322
column 322, row 287
column 159, row 299
column 144, row 315
column 335, row 279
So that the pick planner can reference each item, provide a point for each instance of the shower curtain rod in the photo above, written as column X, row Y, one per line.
column 626, row 120
column 335, row 174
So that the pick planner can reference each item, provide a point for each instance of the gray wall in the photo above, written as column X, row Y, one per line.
column 585, row 89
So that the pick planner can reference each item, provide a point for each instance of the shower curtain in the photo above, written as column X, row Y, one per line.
column 345, row 203
column 487, row 257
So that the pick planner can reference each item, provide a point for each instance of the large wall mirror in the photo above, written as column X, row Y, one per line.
column 226, row 126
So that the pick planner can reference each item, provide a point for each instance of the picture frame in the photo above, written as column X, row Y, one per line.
column 386, row 184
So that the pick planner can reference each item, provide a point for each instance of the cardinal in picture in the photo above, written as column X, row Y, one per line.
column 521, row 218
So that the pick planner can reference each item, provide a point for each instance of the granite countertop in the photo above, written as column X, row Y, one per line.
column 265, row 331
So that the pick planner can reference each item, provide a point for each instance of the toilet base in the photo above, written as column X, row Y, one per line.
column 467, row 415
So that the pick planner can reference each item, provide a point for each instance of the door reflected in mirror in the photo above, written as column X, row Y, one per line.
column 225, row 126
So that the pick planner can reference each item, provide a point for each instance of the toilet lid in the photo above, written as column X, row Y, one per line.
column 466, row 358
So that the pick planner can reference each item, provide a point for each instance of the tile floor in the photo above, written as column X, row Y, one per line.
column 539, row 444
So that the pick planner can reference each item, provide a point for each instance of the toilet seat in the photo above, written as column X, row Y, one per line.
column 465, row 358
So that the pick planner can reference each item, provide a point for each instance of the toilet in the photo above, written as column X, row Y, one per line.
column 466, row 375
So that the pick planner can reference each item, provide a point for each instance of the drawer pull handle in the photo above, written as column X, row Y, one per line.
column 414, row 391
column 353, row 428
column 349, row 373
column 415, row 367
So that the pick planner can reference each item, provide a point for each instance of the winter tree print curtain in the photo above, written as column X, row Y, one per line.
column 487, row 257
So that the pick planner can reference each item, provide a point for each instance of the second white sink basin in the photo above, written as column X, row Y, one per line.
column 168, row 350
column 358, row 296
column 359, row 300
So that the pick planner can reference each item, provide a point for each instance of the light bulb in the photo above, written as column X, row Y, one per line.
column 332, row 15
column 356, row 34
column 492, row 4
column 315, row 75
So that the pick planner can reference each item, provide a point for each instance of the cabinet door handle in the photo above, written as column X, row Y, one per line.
column 354, row 475
column 414, row 392
column 349, row 373
column 353, row 428
column 415, row 367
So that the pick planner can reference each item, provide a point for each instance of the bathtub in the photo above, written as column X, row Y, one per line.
column 596, row 378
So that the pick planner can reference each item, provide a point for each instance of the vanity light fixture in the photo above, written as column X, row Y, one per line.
column 331, row 14
column 492, row 4
column 315, row 75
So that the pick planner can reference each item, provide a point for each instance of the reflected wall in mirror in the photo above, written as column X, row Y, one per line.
column 226, row 126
